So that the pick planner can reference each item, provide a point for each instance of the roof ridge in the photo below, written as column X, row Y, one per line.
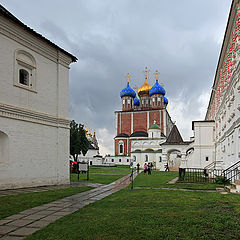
column 9, row 15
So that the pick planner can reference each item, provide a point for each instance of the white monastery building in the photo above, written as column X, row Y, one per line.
column 224, row 104
column 34, row 124
column 92, row 156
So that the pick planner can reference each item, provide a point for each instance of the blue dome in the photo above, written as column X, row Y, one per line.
column 157, row 89
column 136, row 101
column 127, row 92
column 165, row 100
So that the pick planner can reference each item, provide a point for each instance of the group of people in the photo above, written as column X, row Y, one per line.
column 147, row 168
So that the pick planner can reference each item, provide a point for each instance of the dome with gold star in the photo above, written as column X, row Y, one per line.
column 145, row 88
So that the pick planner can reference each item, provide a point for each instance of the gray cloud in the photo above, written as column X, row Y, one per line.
column 181, row 39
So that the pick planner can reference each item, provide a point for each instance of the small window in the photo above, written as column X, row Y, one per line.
column 206, row 159
column 146, row 158
column 129, row 101
column 127, row 160
column 24, row 77
column 120, row 160
column 160, row 159
column 112, row 160
column 121, row 148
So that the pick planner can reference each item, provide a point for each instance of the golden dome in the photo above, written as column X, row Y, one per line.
column 145, row 88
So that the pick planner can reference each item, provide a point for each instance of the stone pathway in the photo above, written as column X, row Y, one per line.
column 173, row 181
column 180, row 189
column 20, row 225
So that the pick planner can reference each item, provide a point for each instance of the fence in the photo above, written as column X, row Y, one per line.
column 198, row 175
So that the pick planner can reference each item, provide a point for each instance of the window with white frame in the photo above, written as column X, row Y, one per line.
column 146, row 158
column 25, row 70
column 121, row 147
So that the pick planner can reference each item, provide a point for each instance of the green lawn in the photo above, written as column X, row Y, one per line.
column 13, row 204
column 93, row 178
column 160, row 179
column 104, row 175
column 151, row 214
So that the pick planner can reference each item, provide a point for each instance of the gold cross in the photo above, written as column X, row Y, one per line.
column 135, row 88
column 156, row 74
column 146, row 71
column 128, row 77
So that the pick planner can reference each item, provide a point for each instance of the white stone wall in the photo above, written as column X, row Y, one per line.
column 203, row 145
column 38, row 155
column 35, row 120
column 120, row 160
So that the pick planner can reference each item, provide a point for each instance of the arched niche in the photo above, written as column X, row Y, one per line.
column 4, row 147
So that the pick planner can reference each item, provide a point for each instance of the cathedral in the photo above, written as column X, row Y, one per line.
column 143, row 125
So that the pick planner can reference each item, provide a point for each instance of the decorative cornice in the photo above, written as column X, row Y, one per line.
column 17, row 113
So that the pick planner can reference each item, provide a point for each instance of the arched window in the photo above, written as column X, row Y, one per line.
column 121, row 147
column 25, row 70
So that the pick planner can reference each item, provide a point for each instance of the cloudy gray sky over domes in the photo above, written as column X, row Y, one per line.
column 180, row 39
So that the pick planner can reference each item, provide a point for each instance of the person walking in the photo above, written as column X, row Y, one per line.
column 145, row 168
column 138, row 165
column 151, row 165
column 166, row 168
column 149, row 169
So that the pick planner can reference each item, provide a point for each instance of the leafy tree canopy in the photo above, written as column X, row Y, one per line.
column 78, row 140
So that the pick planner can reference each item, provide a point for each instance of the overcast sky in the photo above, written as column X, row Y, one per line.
column 179, row 38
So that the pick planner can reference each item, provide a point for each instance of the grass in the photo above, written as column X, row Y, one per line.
column 13, row 204
column 160, row 179
column 151, row 214
column 103, row 175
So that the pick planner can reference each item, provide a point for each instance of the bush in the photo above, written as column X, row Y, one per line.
column 222, row 180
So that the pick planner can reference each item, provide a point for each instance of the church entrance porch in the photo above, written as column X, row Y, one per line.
column 174, row 159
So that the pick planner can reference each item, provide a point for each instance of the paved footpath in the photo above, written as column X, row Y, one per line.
column 20, row 225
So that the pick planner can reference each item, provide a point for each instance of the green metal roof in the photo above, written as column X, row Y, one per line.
column 154, row 126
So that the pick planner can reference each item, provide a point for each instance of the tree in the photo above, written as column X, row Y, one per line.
column 78, row 140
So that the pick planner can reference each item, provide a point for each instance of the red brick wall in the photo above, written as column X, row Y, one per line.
column 118, row 123
column 162, row 129
column 154, row 116
column 126, row 123
column 140, row 121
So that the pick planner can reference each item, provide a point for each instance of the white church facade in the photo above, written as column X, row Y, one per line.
column 34, row 120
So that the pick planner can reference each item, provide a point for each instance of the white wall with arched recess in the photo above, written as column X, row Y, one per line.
column 4, row 147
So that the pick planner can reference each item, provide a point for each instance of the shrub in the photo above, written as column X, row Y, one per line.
column 222, row 180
